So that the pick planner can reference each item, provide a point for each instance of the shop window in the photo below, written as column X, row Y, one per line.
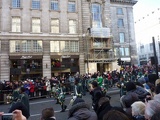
column 55, row 63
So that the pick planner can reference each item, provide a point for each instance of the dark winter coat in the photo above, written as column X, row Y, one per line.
column 81, row 111
column 96, row 95
column 106, row 107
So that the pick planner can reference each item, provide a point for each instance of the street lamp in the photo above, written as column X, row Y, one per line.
column 87, row 50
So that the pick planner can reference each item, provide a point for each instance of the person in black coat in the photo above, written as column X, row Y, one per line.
column 104, row 107
column 96, row 93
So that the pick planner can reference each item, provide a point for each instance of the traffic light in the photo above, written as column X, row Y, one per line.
column 119, row 62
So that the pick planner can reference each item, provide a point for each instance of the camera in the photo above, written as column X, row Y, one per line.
column 7, row 116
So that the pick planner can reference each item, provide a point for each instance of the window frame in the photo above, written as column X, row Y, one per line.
column 53, row 3
column 35, row 6
column 70, row 5
column 69, row 26
column 25, row 46
column 121, row 36
column 54, row 25
column 35, row 26
column 16, row 5
column 94, row 6
column 119, row 11
column 120, row 22
column 20, row 24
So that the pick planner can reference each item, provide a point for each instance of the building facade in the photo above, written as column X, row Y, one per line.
column 50, row 37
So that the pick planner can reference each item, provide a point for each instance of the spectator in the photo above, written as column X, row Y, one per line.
column 81, row 111
column 104, row 106
column 48, row 114
column 152, row 107
column 128, row 99
column 115, row 115
column 138, row 109
column 96, row 93
column 22, row 104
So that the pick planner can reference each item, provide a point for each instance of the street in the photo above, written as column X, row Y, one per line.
column 37, row 105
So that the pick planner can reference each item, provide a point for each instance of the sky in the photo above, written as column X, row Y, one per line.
column 146, row 22
column 144, row 7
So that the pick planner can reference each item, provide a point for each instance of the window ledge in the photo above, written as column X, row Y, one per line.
column 54, row 11
column 16, row 8
column 72, row 12
column 35, row 9
column 16, row 32
column 35, row 33
column 55, row 33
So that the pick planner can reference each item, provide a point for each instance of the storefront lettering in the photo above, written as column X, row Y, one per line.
column 66, row 56
column 26, row 57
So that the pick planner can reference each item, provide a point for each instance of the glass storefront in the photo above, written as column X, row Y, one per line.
column 21, row 69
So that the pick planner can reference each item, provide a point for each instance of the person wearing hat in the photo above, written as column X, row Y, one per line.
column 81, row 111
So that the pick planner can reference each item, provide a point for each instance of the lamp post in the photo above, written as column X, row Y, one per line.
column 87, row 50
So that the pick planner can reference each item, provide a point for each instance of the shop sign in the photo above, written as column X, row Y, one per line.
column 66, row 56
column 26, row 57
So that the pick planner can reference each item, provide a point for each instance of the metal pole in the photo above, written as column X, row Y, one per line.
column 89, row 30
column 155, row 57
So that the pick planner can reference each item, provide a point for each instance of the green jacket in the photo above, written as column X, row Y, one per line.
column 25, row 100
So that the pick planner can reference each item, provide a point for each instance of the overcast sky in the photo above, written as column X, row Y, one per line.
column 144, row 7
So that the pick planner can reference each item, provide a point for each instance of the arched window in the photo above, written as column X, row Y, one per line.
column 96, row 15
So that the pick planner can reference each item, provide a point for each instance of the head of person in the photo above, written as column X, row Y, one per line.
column 152, row 107
column 47, row 114
column 130, row 86
column 94, row 84
column 115, row 115
column 78, row 101
column 138, row 108
column 22, row 89
column 103, row 100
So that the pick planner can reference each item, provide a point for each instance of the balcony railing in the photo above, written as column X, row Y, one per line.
column 101, row 56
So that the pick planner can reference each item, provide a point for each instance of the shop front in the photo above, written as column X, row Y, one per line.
column 64, row 64
column 25, row 66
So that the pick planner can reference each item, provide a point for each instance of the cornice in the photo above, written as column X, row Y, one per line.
column 132, row 2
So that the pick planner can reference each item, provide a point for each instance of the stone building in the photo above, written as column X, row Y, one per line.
column 51, row 37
